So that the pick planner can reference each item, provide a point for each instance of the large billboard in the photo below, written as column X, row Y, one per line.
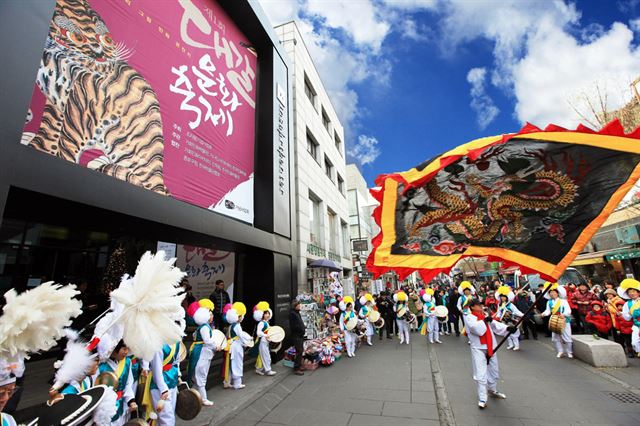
column 159, row 94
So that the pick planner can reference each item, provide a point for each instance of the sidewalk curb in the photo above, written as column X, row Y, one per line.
column 445, row 412
column 600, row 373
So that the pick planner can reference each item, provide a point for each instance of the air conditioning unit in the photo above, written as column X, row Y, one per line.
column 628, row 235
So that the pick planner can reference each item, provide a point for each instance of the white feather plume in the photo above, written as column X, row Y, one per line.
column 109, row 330
column 257, row 315
column 71, row 334
column 151, row 305
column 32, row 321
column 75, row 365
column 106, row 408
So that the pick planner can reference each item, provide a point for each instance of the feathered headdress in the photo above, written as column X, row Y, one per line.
column 400, row 296
column 200, row 311
column 344, row 302
column 367, row 298
column 562, row 293
column 32, row 321
column 464, row 285
column 628, row 284
column 505, row 290
column 151, row 305
column 426, row 294
column 260, row 309
column 234, row 313
column 75, row 365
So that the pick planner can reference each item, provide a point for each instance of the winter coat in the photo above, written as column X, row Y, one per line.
column 624, row 326
column 600, row 320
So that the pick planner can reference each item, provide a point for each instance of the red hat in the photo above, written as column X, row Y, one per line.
column 619, row 302
column 597, row 302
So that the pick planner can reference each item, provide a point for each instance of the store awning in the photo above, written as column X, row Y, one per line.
column 588, row 261
column 625, row 254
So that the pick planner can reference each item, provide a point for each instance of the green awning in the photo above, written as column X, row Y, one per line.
column 621, row 255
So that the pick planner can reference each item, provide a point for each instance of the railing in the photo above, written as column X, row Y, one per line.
column 334, row 257
column 316, row 251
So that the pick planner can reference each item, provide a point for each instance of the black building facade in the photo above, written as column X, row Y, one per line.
column 62, row 222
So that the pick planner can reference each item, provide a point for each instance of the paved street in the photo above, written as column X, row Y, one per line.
column 391, row 384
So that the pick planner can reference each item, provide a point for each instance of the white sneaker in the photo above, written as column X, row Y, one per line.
column 431, row 341
column 560, row 354
column 498, row 395
column 516, row 349
column 401, row 341
column 482, row 404
column 570, row 355
column 260, row 372
column 226, row 385
column 509, row 347
column 240, row 386
column 270, row 373
column 207, row 403
column 438, row 341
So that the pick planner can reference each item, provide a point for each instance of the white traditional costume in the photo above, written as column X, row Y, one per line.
column 559, row 306
column 430, row 325
column 238, row 339
column 202, row 349
column 400, row 307
column 631, row 309
column 349, row 335
column 7, row 377
column 263, row 363
column 165, row 375
column 508, row 310
column 483, row 341
column 367, row 303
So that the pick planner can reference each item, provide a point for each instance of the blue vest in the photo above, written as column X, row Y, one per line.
column 171, row 374
column 122, row 383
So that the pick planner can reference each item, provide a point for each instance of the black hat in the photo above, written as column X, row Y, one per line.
column 72, row 410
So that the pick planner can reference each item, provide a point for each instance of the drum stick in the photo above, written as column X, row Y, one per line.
column 517, row 324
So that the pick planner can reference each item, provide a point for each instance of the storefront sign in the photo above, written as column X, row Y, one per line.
column 281, row 216
column 204, row 267
column 160, row 97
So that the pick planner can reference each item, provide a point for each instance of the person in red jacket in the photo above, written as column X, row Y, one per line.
column 580, row 301
column 491, row 302
column 598, row 320
column 624, row 329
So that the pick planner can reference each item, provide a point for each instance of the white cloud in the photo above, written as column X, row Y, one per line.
column 280, row 11
column 559, row 71
column 486, row 111
column 365, row 151
column 410, row 29
column 359, row 19
column 411, row 5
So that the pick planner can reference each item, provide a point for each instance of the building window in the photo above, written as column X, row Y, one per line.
column 314, row 219
column 340, row 185
column 333, row 231
column 345, row 238
column 328, row 168
column 338, row 142
column 325, row 121
column 308, row 90
column 312, row 146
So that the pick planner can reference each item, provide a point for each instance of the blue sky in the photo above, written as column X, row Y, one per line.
column 413, row 78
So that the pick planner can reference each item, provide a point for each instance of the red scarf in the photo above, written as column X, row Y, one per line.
column 487, row 337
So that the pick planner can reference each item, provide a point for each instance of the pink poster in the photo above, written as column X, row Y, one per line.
column 160, row 94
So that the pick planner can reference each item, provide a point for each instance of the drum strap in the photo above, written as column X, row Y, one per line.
column 556, row 307
column 167, row 364
column 633, row 306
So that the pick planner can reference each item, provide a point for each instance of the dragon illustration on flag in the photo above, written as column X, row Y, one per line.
column 531, row 199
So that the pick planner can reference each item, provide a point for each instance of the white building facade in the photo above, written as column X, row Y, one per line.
column 320, row 168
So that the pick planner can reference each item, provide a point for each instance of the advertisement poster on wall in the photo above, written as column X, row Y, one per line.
column 160, row 97
column 204, row 267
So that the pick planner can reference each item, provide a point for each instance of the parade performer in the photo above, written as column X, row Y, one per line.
column 7, row 387
column 508, row 314
column 629, row 290
column 346, row 306
column 367, row 303
column 262, row 314
column 203, row 347
column 79, row 386
column 114, row 359
column 466, row 290
column 430, row 324
column 401, row 309
column 557, row 305
column 163, row 384
column 236, row 339
column 482, row 330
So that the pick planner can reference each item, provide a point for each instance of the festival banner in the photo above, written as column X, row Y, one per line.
column 204, row 267
column 532, row 199
column 158, row 94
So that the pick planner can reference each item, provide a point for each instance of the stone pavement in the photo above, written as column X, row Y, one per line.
column 392, row 384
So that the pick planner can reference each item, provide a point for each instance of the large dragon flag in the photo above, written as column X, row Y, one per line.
column 532, row 199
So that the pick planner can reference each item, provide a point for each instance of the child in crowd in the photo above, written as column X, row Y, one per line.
column 598, row 320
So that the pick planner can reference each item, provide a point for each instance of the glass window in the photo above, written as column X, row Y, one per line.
column 328, row 168
column 325, row 121
column 345, row 238
column 312, row 146
column 338, row 142
column 340, row 184
column 308, row 90
column 314, row 219
column 333, row 231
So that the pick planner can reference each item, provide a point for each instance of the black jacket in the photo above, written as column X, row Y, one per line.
column 296, row 324
column 219, row 300
column 523, row 303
